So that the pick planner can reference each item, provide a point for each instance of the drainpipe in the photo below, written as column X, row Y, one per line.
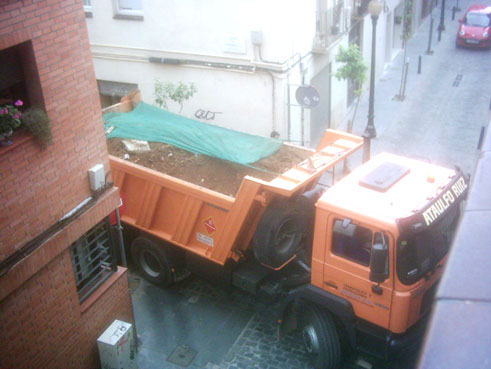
column 120, row 239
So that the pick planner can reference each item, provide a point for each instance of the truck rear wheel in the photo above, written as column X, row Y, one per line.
column 279, row 235
column 320, row 337
column 151, row 261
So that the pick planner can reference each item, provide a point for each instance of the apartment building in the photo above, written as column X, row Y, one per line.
column 253, row 62
column 60, row 285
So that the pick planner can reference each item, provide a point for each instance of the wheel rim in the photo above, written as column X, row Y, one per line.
column 150, row 264
column 286, row 235
column 310, row 339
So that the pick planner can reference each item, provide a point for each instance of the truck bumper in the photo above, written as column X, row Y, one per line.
column 409, row 340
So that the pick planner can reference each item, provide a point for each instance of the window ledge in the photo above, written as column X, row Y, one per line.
column 102, row 289
column 18, row 138
column 128, row 16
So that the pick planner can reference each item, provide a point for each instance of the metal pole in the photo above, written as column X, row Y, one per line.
column 366, row 147
column 120, row 239
column 429, row 51
column 370, row 129
column 441, row 26
column 403, row 95
column 289, row 107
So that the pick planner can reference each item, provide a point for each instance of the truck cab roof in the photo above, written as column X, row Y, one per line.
column 387, row 188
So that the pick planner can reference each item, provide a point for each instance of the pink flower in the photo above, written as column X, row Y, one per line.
column 17, row 115
column 2, row 111
column 18, row 103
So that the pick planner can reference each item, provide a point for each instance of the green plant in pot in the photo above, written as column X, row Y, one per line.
column 10, row 120
column 37, row 122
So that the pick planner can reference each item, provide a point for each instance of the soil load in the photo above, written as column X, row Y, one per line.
column 206, row 171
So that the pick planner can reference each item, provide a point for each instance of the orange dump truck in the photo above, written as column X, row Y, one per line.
column 355, row 263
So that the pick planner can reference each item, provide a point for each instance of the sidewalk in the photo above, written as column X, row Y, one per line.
column 440, row 118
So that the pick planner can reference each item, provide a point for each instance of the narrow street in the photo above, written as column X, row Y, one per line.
column 444, row 107
column 439, row 119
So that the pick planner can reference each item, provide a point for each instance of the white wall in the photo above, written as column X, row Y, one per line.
column 198, row 30
column 219, row 31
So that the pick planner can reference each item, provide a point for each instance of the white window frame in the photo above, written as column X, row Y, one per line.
column 88, row 7
column 133, row 13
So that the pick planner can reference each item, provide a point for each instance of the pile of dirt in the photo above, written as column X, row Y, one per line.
column 206, row 171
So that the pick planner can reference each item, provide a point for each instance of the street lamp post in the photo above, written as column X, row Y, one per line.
column 441, row 26
column 374, row 8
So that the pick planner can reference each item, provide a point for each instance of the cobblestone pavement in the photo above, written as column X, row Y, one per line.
column 255, row 347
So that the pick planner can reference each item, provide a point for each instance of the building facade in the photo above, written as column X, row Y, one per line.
column 246, row 58
column 60, row 285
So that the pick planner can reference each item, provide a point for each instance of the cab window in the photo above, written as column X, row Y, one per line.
column 352, row 242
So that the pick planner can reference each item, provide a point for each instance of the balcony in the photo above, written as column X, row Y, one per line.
column 360, row 8
column 330, row 25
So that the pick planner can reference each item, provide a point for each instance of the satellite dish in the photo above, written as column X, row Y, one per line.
column 307, row 96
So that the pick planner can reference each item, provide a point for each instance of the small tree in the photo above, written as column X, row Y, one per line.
column 355, row 69
column 169, row 91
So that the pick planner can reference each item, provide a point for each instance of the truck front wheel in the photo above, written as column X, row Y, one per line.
column 151, row 261
column 320, row 337
column 279, row 235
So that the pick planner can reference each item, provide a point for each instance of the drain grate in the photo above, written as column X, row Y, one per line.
column 182, row 356
column 458, row 78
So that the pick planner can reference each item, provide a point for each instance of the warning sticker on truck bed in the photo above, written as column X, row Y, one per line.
column 210, row 225
column 204, row 239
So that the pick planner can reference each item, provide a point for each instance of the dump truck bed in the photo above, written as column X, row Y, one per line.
column 208, row 223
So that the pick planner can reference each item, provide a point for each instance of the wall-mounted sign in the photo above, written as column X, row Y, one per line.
column 234, row 44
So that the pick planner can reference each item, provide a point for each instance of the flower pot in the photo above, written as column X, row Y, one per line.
column 5, row 138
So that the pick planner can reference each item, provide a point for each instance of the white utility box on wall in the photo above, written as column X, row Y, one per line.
column 97, row 177
column 116, row 346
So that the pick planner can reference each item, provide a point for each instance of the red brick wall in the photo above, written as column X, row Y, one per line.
column 42, row 324
column 37, row 186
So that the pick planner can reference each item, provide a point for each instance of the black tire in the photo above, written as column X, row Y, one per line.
column 151, row 261
column 279, row 235
column 320, row 337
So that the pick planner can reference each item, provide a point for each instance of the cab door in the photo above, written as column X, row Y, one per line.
column 347, row 268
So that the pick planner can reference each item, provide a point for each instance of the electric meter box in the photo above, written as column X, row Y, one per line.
column 116, row 346
column 97, row 178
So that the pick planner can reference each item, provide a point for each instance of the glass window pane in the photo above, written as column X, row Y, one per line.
column 130, row 4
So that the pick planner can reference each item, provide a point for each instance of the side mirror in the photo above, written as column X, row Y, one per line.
column 378, row 263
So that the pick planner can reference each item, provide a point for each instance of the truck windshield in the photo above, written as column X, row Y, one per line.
column 419, row 253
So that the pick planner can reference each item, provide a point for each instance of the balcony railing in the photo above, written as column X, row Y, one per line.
column 332, row 23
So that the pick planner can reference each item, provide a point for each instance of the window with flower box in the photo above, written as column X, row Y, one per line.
column 21, row 96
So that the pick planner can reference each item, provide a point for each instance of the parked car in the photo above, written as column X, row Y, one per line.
column 475, row 27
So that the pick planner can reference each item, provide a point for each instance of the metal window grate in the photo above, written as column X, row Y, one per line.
column 93, row 259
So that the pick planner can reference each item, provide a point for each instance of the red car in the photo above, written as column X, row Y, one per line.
column 475, row 27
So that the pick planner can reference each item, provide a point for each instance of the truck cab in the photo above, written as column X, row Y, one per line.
column 381, row 239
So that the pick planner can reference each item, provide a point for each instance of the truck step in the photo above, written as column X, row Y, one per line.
column 249, row 276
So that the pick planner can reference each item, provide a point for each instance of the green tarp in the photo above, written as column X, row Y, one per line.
column 149, row 123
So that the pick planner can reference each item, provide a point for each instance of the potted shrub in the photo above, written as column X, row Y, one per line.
column 10, row 120
column 37, row 122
